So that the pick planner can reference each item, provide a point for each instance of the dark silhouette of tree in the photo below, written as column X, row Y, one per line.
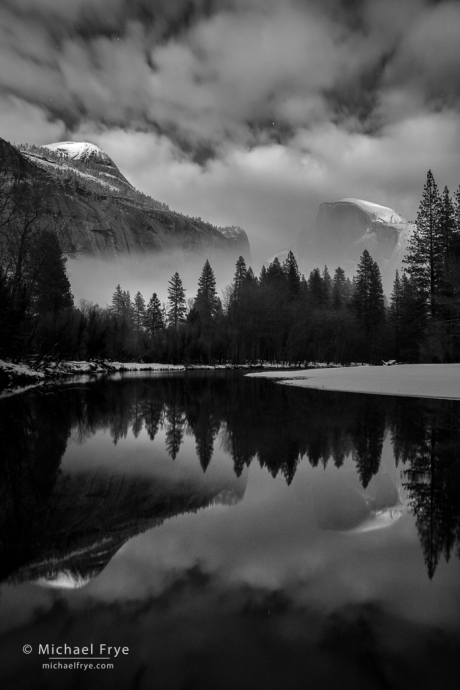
column 327, row 286
column 118, row 302
column 154, row 318
column 139, row 312
column 341, row 289
column 317, row 290
column 368, row 434
column 206, row 301
column 369, row 303
column 424, row 259
column 51, row 286
column 238, row 279
column 292, row 273
column 175, row 421
column 177, row 306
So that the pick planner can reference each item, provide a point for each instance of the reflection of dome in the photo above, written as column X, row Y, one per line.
column 65, row 580
column 341, row 504
column 380, row 519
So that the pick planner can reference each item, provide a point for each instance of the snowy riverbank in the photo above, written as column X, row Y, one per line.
column 415, row 380
column 21, row 375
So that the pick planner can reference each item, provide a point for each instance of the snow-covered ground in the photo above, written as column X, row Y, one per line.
column 13, row 376
column 419, row 380
column 47, row 164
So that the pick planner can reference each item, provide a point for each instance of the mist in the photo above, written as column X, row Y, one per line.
column 94, row 278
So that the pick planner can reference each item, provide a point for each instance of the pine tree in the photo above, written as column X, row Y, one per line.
column 118, row 302
column 154, row 316
column 251, row 279
column 425, row 256
column 369, row 301
column 327, row 286
column 291, row 271
column 239, row 278
column 128, row 307
column 177, row 305
column 456, row 205
column 275, row 275
column 340, row 289
column 139, row 312
column 447, row 224
column 51, row 286
column 206, row 301
column 316, row 289
column 395, row 314
column 263, row 275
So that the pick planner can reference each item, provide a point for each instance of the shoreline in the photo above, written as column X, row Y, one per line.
column 408, row 380
column 20, row 377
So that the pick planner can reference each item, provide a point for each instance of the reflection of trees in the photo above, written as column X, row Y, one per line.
column 153, row 417
column 55, row 523
column 281, row 425
column 174, row 428
column 368, row 433
column 202, row 419
column 427, row 439
column 256, row 420
column 34, row 430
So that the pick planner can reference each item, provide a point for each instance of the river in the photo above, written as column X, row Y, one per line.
column 210, row 530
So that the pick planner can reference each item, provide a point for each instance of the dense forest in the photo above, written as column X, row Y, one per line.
column 276, row 316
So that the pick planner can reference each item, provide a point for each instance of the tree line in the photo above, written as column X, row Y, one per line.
column 276, row 316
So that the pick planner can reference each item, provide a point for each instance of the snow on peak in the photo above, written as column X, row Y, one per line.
column 79, row 150
column 231, row 231
column 381, row 213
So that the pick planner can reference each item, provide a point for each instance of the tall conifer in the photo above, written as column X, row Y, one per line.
column 176, row 302
column 292, row 274
column 206, row 301
column 154, row 316
column 425, row 256
column 369, row 301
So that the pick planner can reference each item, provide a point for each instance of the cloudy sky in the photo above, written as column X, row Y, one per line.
column 247, row 112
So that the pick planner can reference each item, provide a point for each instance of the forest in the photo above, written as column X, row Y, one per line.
column 277, row 316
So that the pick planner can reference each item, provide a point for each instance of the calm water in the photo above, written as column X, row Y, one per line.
column 231, row 533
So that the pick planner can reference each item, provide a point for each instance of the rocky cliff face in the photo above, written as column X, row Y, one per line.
column 103, row 213
column 343, row 229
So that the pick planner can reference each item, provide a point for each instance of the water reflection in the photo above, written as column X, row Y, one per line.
column 61, row 526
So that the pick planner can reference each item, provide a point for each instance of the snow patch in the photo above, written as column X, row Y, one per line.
column 231, row 232
column 411, row 380
column 380, row 213
column 79, row 150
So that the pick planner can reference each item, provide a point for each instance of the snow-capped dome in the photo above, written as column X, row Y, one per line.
column 79, row 150
column 381, row 519
column 383, row 213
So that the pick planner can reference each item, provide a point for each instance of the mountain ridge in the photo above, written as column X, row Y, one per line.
column 105, row 215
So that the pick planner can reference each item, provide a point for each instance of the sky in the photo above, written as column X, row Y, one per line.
column 244, row 112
